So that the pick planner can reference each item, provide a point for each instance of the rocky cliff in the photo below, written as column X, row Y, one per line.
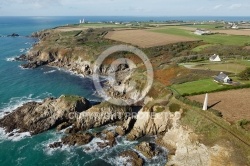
column 36, row 117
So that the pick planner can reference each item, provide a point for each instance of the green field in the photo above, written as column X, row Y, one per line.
column 205, row 85
column 212, row 39
column 206, row 26
column 227, row 67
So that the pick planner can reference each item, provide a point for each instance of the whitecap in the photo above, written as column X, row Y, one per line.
column 93, row 146
column 15, row 135
column 120, row 161
column 19, row 136
column 11, row 59
column 48, row 72
column 22, row 50
column 16, row 102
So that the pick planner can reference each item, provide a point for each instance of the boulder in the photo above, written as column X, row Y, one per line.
column 77, row 139
column 110, row 137
column 133, row 158
column 55, row 145
column 147, row 149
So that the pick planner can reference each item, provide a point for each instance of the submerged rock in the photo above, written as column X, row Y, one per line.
column 36, row 117
column 13, row 35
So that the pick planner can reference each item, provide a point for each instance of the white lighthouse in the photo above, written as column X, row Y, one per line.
column 205, row 103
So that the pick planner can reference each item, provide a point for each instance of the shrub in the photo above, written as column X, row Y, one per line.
column 243, row 122
column 216, row 112
column 174, row 107
column 245, row 75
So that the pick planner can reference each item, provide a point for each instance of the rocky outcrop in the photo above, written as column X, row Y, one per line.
column 150, row 123
column 147, row 149
column 102, row 114
column 77, row 139
column 36, row 117
column 132, row 158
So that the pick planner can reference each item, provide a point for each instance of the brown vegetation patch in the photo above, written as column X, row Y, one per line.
column 145, row 39
column 234, row 104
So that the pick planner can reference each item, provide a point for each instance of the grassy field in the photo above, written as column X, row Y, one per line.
column 227, row 67
column 206, row 26
column 212, row 39
column 205, row 85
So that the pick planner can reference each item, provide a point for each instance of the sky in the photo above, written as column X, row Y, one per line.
column 124, row 8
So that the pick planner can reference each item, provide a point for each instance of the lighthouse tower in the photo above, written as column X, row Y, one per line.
column 205, row 103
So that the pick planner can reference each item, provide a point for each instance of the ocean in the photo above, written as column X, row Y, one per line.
column 18, row 86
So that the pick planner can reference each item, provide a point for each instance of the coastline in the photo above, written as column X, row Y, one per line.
column 169, row 127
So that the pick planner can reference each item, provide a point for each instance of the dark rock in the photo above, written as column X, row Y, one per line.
column 79, row 139
column 11, row 134
column 62, row 126
column 102, row 145
column 21, row 58
column 134, row 158
column 13, row 35
column 147, row 149
column 72, row 130
column 55, row 145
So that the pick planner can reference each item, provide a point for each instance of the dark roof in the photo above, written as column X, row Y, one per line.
column 213, row 56
column 221, row 76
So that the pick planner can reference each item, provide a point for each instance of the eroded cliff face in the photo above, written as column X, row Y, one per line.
column 185, row 149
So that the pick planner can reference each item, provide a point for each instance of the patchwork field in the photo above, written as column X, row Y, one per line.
column 145, row 39
column 232, row 104
column 224, row 39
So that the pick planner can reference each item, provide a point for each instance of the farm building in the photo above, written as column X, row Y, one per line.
column 202, row 32
column 215, row 58
column 223, row 78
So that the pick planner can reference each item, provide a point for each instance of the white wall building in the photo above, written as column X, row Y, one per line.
column 215, row 58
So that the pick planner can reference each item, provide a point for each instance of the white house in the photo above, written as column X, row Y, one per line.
column 223, row 78
column 202, row 32
column 215, row 58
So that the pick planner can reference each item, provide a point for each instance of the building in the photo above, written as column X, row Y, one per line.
column 202, row 32
column 215, row 58
column 223, row 78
